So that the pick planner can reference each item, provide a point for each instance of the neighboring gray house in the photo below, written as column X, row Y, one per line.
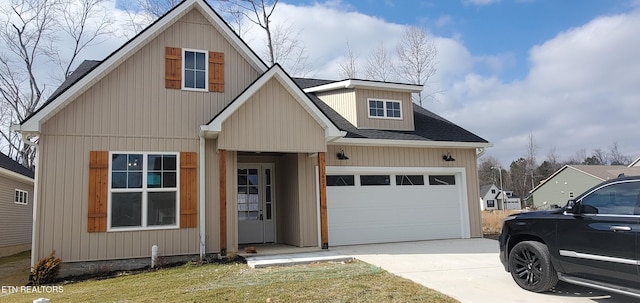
column 16, row 207
column 571, row 180
column 635, row 163
column 492, row 199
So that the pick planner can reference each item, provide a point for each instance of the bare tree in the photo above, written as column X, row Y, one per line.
column 259, row 12
column 141, row 13
column 27, row 32
column 85, row 22
column 290, row 51
column 379, row 64
column 599, row 156
column 487, row 170
column 30, row 34
column 349, row 69
column 578, row 157
column 417, row 55
column 616, row 157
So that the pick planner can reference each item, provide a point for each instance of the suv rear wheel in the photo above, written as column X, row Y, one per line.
column 530, row 266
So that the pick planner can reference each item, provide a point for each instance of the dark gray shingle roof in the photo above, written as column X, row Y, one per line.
column 9, row 164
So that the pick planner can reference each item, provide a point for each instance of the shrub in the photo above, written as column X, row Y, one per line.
column 46, row 270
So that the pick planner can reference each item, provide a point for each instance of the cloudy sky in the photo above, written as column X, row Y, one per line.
column 567, row 71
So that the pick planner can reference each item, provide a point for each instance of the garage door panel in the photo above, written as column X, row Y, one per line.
column 378, row 214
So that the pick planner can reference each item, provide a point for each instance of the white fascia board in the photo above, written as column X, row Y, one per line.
column 215, row 126
column 352, row 83
column 15, row 176
column 33, row 124
column 409, row 143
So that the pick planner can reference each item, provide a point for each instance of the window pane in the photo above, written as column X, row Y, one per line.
column 154, row 162
column 135, row 162
column 161, row 208
column 189, row 78
column 615, row 199
column 372, row 112
column 442, row 180
column 126, row 209
column 269, row 211
column 169, row 162
column 375, row 180
column 119, row 180
column 134, row 180
column 200, row 61
column 347, row 180
column 267, row 193
column 189, row 60
column 154, row 180
column 267, row 173
column 200, row 80
column 410, row 180
column 119, row 162
column 380, row 112
column 169, row 179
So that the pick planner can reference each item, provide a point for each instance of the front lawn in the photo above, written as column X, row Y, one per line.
column 322, row 282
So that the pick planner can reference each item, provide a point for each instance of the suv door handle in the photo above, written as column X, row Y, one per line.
column 620, row 228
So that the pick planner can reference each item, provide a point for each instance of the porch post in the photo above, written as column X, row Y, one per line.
column 322, row 183
column 222, row 175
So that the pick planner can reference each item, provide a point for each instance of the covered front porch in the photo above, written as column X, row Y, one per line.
column 270, row 198
column 264, row 176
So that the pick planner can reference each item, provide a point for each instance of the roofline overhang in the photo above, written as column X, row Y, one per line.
column 409, row 143
column 354, row 83
column 212, row 129
column 33, row 123
column 16, row 176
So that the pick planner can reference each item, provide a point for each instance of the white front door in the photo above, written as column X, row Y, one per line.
column 256, row 203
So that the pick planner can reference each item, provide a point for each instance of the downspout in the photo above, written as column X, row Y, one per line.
column 26, row 138
column 201, row 198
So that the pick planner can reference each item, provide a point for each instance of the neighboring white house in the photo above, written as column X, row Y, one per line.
column 571, row 180
column 492, row 199
column 16, row 207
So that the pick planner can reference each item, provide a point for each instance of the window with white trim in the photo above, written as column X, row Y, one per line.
column 391, row 109
column 22, row 197
column 491, row 203
column 143, row 190
column 195, row 64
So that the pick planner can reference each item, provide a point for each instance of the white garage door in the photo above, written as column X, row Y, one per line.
column 375, row 205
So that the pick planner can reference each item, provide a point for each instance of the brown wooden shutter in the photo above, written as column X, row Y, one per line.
column 173, row 68
column 98, row 191
column 216, row 72
column 188, row 190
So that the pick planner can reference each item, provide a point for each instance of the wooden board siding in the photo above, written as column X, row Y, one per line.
column 272, row 121
column 342, row 101
column 130, row 110
column 417, row 157
column 132, row 100
column 363, row 110
column 62, row 215
column 15, row 219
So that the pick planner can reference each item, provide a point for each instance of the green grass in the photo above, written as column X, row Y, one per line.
column 322, row 282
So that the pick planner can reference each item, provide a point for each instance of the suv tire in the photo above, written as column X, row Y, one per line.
column 530, row 266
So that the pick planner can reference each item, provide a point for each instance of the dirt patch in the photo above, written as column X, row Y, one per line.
column 15, row 269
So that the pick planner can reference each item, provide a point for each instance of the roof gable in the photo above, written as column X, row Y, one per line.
column 95, row 71
column 214, row 127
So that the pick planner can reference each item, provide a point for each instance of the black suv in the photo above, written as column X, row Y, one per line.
column 593, row 241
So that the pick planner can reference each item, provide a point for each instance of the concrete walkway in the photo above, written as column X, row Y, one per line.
column 466, row 269
column 296, row 259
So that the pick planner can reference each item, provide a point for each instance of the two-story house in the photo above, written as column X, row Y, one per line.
column 183, row 138
column 492, row 198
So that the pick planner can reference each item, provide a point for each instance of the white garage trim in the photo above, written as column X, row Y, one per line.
column 458, row 172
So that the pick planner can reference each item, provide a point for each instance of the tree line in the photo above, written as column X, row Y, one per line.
column 525, row 173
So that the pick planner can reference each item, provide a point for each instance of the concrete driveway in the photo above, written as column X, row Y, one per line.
column 466, row 269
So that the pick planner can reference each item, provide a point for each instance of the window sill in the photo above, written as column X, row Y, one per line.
column 163, row 227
